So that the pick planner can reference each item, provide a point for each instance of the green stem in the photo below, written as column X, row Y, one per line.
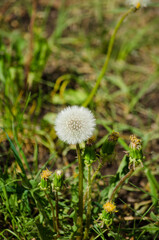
column 80, row 206
column 98, row 169
column 104, row 68
column 120, row 183
column 93, row 177
column 52, row 209
column 57, row 211
column 88, row 216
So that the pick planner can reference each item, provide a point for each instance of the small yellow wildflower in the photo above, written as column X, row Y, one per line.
column 109, row 207
column 138, row 5
column 45, row 174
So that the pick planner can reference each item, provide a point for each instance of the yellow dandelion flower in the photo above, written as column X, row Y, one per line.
column 138, row 5
column 109, row 207
column 45, row 174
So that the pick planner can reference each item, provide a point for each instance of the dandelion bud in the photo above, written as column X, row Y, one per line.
column 135, row 153
column 91, row 141
column 58, row 180
column 109, row 145
column 89, row 155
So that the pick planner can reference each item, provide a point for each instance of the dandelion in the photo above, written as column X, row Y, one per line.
column 58, row 180
column 45, row 174
column 138, row 3
column 109, row 144
column 109, row 207
column 75, row 124
column 113, row 137
column 135, row 143
column 107, row 214
column 135, row 153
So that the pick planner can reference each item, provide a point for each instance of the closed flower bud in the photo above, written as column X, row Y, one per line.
column 43, row 184
column 109, row 144
column 58, row 180
column 89, row 155
column 135, row 152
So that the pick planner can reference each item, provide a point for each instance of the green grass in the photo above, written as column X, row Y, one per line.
column 70, row 42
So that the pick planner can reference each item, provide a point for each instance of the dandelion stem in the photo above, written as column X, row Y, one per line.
column 93, row 177
column 98, row 169
column 88, row 216
column 120, row 183
column 52, row 209
column 57, row 211
column 104, row 68
column 80, row 206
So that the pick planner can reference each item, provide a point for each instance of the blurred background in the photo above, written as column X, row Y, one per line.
column 51, row 53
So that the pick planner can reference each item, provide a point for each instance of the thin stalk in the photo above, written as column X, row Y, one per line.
column 104, row 68
column 31, row 42
column 80, row 204
column 98, row 169
column 88, row 216
column 120, row 183
column 57, row 211
column 93, row 177
column 53, row 214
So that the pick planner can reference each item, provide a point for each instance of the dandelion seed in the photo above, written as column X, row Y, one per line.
column 109, row 207
column 75, row 124
column 138, row 3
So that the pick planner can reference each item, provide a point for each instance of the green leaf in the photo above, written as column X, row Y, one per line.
column 153, row 185
column 16, row 154
column 50, row 117
column 70, row 96
column 151, row 228
column 44, row 232
column 154, row 217
column 122, row 170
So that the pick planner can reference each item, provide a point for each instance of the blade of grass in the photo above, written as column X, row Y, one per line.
column 153, row 185
column 16, row 154
column 21, row 151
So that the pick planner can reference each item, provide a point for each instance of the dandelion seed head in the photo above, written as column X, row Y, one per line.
column 138, row 3
column 75, row 124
